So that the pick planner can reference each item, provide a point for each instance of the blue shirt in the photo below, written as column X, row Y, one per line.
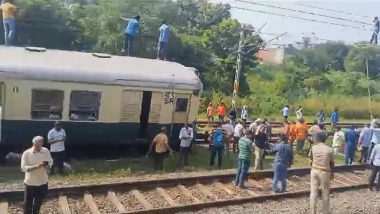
column 321, row 117
column 164, row 33
column 284, row 153
column 335, row 117
column 352, row 138
column 132, row 28
column 366, row 135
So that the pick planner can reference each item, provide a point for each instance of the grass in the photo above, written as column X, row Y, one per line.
column 124, row 167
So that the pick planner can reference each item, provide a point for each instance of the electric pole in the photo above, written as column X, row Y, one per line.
column 238, row 67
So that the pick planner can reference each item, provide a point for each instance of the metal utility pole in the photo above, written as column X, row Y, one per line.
column 369, row 91
column 238, row 67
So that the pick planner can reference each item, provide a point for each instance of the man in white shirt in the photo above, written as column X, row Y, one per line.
column 285, row 112
column 299, row 112
column 375, row 161
column 56, row 139
column 186, row 136
column 229, row 130
column 35, row 162
column 238, row 132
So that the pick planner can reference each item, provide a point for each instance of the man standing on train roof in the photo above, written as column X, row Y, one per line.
column 130, row 33
column 56, row 139
column 9, row 21
column 376, row 28
column 163, row 41
column 186, row 136
column 322, row 166
column 351, row 137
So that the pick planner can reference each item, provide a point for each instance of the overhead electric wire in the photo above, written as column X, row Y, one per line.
column 300, row 18
column 331, row 10
column 304, row 12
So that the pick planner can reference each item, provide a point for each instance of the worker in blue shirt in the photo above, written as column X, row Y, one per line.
column 130, row 33
column 163, row 41
column 334, row 119
column 352, row 138
column 282, row 161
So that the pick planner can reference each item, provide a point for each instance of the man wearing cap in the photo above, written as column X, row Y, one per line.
column 35, row 162
column 160, row 145
column 322, row 165
column 130, row 33
column 56, row 139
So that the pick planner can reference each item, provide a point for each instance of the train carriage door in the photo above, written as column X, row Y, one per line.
column 131, row 109
column 144, row 114
column 155, row 108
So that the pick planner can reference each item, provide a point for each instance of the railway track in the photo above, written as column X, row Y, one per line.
column 173, row 195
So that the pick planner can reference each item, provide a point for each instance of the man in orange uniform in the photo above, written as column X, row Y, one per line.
column 221, row 112
column 301, row 134
column 292, row 133
column 210, row 113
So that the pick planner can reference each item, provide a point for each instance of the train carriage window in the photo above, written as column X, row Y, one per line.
column 181, row 104
column 84, row 105
column 47, row 104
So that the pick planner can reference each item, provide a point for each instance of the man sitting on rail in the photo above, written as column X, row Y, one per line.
column 322, row 165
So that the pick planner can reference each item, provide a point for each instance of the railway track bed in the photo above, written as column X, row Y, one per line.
column 179, row 194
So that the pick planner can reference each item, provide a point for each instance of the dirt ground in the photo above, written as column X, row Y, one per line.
column 351, row 202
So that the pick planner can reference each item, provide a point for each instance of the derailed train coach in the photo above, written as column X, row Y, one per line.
column 101, row 99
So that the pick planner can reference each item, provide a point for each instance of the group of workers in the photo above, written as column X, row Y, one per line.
column 132, row 29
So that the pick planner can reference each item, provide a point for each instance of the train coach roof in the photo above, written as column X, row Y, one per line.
column 71, row 66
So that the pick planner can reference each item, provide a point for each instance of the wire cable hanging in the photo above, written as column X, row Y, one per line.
column 331, row 10
column 304, row 12
column 300, row 18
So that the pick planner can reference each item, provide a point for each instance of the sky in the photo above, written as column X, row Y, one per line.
column 364, row 11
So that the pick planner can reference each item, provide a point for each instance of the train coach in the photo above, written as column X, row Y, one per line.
column 101, row 99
